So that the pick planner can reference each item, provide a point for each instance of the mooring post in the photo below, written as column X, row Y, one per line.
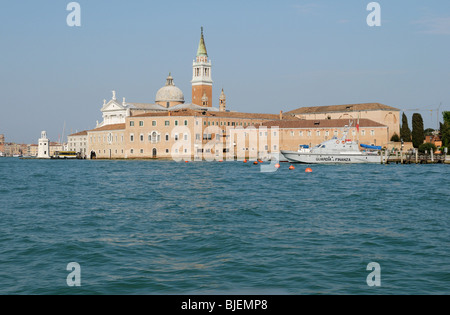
column 432, row 156
column 417, row 155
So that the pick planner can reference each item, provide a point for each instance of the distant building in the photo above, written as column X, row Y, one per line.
column 2, row 145
column 294, row 133
column 434, row 139
column 78, row 142
column 380, row 113
column 33, row 150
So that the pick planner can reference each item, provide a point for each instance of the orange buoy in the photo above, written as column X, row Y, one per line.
column 186, row 161
column 220, row 161
column 277, row 165
column 255, row 163
column 245, row 161
column 292, row 167
column 308, row 170
column 260, row 161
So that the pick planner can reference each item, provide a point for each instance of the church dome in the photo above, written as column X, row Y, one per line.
column 169, row 92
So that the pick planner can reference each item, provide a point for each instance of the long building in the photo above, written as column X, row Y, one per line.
column 169, row 127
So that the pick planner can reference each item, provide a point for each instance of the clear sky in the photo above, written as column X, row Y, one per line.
column 267, row 55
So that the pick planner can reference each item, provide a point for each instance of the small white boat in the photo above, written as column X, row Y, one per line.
column 335, row 151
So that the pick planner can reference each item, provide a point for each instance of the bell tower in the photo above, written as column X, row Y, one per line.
column 201, row 78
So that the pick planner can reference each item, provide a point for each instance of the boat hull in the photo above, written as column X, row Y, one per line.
column 311, row 158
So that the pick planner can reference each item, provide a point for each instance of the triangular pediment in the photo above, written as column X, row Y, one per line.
column 113, row 105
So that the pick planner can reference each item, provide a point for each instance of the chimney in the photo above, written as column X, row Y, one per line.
column 281, row 115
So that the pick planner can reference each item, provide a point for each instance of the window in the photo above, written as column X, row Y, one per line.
column 141, row 123
column 185, row 136
column 309, row 133
column 327, row 133
column 141, row 137
column 167, row 123
column 154, row 123
column 167, row 137
column 176, row 122
column 185, row 122
column 131, row 137
column 176, row 137
column 363, row 132
column 131, row 123
column 372, row 132
column 131, row 151
column 167, row 150
column 318, row 133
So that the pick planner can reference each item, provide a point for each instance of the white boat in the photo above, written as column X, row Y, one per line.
column 335, row 151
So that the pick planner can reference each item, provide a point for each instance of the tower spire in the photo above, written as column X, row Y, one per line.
column 201, row 51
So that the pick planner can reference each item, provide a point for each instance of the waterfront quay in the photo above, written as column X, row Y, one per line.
column 416, row 158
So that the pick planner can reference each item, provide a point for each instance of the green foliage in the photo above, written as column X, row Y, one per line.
column 418, row 132
column 445, row 129
column 427, row 147
column 395, row 138
column 445, row 134
column 429, row 131
column 446, row 117
column 405, row 132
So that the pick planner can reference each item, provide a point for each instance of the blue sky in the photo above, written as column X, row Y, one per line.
column 267, row 55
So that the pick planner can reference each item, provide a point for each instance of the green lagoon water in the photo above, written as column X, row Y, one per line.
column 160, row 227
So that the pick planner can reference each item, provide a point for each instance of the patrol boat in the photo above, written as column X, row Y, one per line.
column 335, row 151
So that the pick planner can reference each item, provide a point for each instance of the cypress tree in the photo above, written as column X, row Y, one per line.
column 418, row 132
column 405, row 132
column 445, row 130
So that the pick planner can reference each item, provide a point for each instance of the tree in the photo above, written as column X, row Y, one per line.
column 418, row 132
column 395, row 138
column 446, row 117
column 429, row 131
column 445, row 130
column 405, row 132
column 427, row 147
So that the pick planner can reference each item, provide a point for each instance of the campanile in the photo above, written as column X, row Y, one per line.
column 201, row 77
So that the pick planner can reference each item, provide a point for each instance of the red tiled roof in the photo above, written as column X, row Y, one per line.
column 82, row 133
column 342, row 108
column 110, row 127
column 325, row 123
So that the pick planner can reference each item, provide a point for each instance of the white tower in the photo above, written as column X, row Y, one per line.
column 44, row 146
